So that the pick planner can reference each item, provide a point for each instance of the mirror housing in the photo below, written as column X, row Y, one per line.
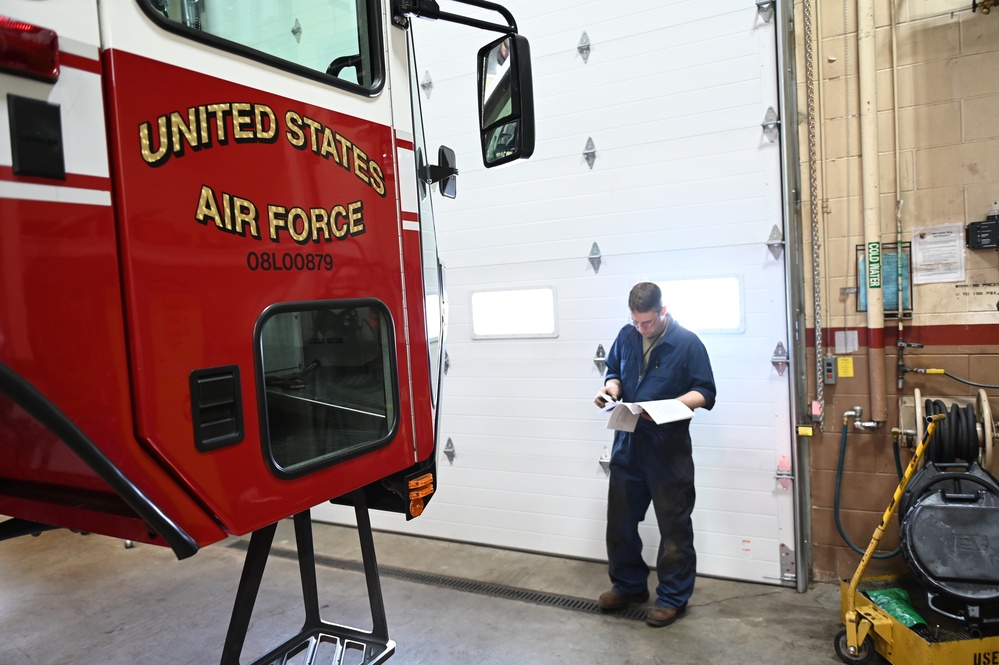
column 506, row 100
column 444, row 173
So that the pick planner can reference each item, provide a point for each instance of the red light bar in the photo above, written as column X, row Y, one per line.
column 28, row 50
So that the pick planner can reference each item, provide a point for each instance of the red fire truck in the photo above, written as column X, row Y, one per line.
column 220, row 297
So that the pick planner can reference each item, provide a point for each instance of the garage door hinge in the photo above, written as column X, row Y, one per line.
column 604, row 461
column 766, row 9
column 785, row 475
column 771, row 125
column 600, row 358
column 788, row 567
column 780, row 360
column 776, row 242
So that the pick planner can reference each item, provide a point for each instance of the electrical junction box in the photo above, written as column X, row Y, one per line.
column 829, row 370
column 983, row 235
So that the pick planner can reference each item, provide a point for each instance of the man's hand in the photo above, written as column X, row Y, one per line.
column 609, row 393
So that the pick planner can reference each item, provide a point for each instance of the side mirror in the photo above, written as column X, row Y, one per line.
column 444, row 173
column 506, row 100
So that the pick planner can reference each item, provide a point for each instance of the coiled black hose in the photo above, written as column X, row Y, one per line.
column 956, row 436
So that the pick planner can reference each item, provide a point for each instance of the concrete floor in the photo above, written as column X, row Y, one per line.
column 70, row 599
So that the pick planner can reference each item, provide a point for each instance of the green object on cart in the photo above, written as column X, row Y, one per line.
column 897, row 603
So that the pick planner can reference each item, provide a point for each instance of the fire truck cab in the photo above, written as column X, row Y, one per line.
column 220, row 297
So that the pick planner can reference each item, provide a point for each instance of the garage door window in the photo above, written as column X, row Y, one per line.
column 709, row 304
column 514, row 313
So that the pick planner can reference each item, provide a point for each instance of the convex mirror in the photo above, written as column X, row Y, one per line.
column 506, row 100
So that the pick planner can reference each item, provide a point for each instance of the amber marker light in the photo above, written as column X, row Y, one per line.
column 419, row 488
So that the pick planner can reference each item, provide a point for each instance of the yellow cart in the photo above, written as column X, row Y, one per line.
column 868, row 629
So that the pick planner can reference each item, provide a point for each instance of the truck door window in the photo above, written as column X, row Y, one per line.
column 327, row 387
column 337, row 42
column 435, row 298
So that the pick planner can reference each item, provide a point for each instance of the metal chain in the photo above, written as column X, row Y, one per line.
column 813, row 194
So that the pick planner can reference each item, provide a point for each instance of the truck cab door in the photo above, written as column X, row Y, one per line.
column 256, row 190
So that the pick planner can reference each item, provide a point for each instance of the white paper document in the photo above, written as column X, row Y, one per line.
column 938, row 254
column 624, row 415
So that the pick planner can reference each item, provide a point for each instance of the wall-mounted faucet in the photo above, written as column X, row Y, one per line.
column 858, row 414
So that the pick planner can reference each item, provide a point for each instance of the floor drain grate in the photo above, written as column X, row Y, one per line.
column 462, row 584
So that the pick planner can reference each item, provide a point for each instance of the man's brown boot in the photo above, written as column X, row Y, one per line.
column 659, row 616
column 610, row 601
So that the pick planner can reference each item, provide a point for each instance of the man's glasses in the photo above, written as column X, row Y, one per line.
column 645, row 325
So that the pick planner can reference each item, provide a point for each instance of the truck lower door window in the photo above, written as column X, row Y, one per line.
column 327, row 384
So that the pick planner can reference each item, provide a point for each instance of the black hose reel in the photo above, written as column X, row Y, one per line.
column 956, row 436
column 949, row 537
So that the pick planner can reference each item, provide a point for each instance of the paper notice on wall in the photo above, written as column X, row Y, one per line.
column 846, row 341
column 938, row 254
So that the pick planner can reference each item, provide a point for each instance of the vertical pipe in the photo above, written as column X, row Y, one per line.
column 899, row 272
column 871, row 173
column 801, row 448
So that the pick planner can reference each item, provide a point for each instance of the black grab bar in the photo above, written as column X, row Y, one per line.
column 48, row 414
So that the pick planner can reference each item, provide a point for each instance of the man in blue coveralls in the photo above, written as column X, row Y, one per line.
column 653, row 358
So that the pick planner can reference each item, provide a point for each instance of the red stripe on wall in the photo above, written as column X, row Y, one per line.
column 949, row 335
column 72, row 180
column 404, row 144
column 79, row 62
column 408, row 216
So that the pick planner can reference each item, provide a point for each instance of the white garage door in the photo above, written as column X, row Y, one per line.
column 651, row 165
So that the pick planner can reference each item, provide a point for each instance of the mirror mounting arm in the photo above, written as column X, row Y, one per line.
column 402, row 10
column 434, row 173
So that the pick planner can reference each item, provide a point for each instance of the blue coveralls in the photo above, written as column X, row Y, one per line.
column 654, row 464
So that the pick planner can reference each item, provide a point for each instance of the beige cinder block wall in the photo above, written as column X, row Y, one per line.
column 936, row 73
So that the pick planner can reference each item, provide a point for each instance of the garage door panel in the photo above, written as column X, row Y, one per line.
column 535, row 466
column 741, row 370
column 723, row 468
column 731, row 442
column 756, row 502
column 464, row 366
column 591, row 507
column 596, row 220
column 467, row 390
column 526, row 521
column 746, row 415
column 561, row 451
column 757, row 472
column 717, row 551
column 581, row 547
column 544, row 184
column 762, row 571
column 684, row 185
column 726, row 527
column 620, row 245
column 526, row 354
column 762, row 396
column 677, row 19
column 667, row 109
column 521, row 479
column 538, row 429
column 615, row 195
